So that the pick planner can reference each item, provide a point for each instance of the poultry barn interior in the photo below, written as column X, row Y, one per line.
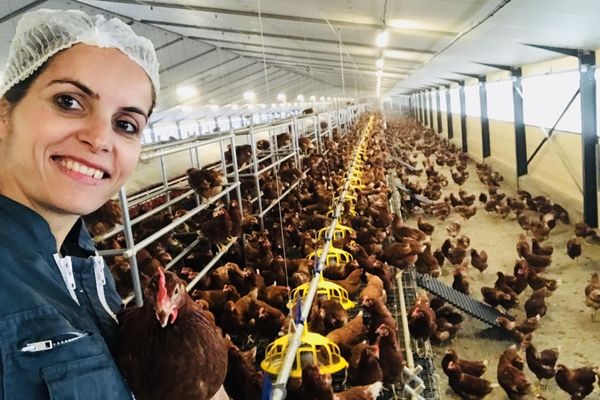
column 363, row 199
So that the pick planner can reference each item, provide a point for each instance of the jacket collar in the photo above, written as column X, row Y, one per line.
column 21, row 226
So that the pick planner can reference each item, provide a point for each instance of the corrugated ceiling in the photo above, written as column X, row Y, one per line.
column 217, row 46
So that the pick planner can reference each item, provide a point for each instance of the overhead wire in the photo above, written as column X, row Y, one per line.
column 262, row 45
column 277, row 180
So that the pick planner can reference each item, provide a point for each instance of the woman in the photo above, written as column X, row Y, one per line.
column 76, row 95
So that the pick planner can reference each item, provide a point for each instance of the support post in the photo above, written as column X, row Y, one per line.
column 485, row 122
column 520, row 140
column 439, row 111
column 423, row 109
column 463, row 117
column 430, row 100
column 589, row 138
column 449, row 113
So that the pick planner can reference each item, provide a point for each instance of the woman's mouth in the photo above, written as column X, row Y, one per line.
column 79, row 168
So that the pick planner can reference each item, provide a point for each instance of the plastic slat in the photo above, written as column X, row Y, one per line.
column 467, row 304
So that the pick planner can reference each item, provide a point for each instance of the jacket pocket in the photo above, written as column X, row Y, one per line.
column 39, row 347
column 90, row 378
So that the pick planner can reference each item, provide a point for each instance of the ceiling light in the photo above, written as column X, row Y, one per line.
column 329, row 99
column 382, row 39
column 186, row 92
column 249, row 95
column 234, row 106
column 313, row 98
column 322, row 98
column 214, row 107
column 300, row 97
column 263, row 106
column 281, row 97
column 379, row 63
column 273, row 105
column 379, row 73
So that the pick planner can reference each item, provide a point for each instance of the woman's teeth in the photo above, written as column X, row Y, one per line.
column 82, row 169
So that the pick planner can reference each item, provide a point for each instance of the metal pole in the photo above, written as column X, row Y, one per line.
column 485, row 122
column 463, row 117
column 137, row 287
column 439, row 111
column 430, row 101
column 589, row 138
column 449, row 113
column 520, row 139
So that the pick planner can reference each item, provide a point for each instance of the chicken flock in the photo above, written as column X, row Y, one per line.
column 244, row 297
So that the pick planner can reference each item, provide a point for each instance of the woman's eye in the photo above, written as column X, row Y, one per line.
column 67, row 102
column 126, row 126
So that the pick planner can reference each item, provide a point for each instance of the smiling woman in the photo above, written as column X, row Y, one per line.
column 75, row 97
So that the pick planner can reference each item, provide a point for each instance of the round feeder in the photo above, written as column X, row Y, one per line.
column 335, row 256
column 313, row 349
column 326, row 289
column 340, row 231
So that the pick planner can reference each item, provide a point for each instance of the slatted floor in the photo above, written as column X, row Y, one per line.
column 465, row 303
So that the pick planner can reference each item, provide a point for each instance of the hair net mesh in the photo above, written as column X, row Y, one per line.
column 42, row 33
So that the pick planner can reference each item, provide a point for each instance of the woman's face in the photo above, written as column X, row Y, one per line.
column 71, row 142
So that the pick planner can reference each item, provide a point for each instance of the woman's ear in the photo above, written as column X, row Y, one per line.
column 4, row 118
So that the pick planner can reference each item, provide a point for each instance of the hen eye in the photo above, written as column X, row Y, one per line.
column 176, row 290
column 67, row 102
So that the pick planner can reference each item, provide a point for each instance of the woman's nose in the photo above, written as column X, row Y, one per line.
column 98, row 135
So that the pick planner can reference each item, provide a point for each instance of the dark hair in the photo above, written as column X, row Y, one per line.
column 16, row 93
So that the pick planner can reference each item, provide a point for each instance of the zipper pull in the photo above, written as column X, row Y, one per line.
column 38, row 346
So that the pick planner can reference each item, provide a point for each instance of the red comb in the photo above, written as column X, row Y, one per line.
column 162, row 287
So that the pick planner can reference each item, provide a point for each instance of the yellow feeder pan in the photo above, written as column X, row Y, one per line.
column 351, row 211
column 347, row 199
column 356, row 174
column 357, row 183
column 313, row 349
column 340, row 231
column 335, row 256
column 330, row 290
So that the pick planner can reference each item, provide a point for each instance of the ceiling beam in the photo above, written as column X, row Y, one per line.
column 217, row 65
column 192, row 58
column 325, row 71
column 179, row 39
column 283, row 17
column 275, row 35
column 322, row 64
column 21, row 10
column 312, row 59
column 240, row 83
column 207, row 85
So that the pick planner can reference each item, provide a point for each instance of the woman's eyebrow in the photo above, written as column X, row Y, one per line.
column 94, row 95
column 135, row 110
column 80, row 85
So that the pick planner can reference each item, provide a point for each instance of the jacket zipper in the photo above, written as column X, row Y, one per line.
column 49, row 344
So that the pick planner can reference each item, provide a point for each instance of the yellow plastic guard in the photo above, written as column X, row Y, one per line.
column 335, row 256
column 327, row 289
column 340, row 231
column 313, row 349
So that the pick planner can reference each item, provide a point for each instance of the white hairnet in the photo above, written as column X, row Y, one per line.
column 42, row 33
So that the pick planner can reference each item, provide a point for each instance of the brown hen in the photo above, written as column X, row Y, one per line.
column 155, row 337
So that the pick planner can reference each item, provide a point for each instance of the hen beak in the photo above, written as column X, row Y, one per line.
column 164, row 311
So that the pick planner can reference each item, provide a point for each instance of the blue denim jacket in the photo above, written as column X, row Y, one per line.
column 57, row 314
